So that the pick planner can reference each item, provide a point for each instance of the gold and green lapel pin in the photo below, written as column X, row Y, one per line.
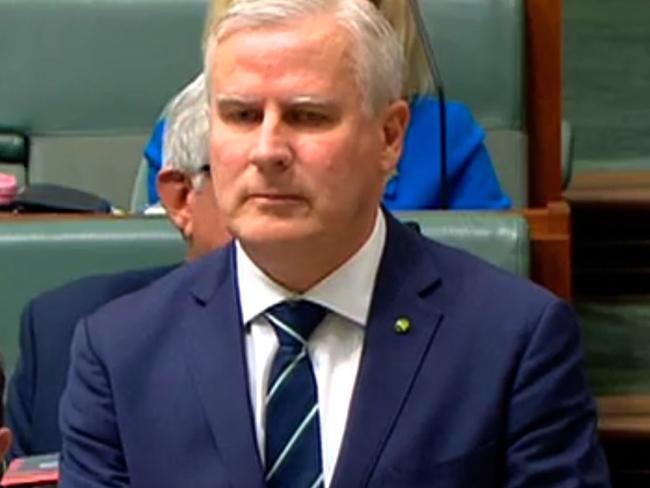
column 402, row 325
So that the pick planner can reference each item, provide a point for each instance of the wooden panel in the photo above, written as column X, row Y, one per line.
column 552, row 219
column 624, row 427
column 549, row 216
column 609, row 189
column 611, row 233
column 544, row 99
column 624, row 416
column 551, row 265
column 550, row 230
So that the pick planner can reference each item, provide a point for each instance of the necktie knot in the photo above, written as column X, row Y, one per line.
column 294, row 321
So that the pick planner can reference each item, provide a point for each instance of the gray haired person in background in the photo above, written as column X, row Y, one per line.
column 190, row 203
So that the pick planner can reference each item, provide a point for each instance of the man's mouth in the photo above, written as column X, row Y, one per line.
column 271, row 198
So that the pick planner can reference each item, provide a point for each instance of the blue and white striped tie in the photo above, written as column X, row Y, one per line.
column 292, row 445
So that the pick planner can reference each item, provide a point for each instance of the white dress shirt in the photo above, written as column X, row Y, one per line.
column 334, row 347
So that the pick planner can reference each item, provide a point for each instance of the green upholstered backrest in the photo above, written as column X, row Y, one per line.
column 500, row 238
column 480, row 48
column 37, row 255
column 85, row 80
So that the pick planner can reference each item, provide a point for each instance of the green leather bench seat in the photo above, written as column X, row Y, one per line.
column 499, row 238
column 84, row 81
column 37, row 255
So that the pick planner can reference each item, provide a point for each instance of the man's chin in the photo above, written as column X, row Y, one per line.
column 269, row 231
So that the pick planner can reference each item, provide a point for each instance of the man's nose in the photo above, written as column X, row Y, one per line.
column 271, row 150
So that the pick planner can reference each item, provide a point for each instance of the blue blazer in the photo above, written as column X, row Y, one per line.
column 46, row 329
column 472, row 181
column 485, row 390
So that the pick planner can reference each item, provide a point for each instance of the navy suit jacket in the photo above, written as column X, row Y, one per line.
column 485, row 390
column 46, row 328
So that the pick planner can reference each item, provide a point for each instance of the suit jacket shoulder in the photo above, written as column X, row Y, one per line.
column 486, row 389
column 138, row 316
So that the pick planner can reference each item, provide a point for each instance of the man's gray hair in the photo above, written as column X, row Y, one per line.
column 378, row 57
column 185, row 143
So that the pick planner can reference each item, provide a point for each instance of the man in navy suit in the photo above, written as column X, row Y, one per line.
column 48, row 321
column 328, row 345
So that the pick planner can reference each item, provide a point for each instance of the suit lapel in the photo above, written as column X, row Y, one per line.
column 390, row 360
column 215, row 352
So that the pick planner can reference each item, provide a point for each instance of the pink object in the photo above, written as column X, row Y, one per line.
column 8, row 188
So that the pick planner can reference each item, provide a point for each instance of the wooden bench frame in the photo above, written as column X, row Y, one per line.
column 548, row 214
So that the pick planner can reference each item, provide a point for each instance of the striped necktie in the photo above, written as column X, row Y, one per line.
column 292, row 444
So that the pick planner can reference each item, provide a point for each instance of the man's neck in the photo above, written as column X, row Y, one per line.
column 298, row 266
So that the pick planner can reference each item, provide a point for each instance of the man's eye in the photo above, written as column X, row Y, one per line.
column 243, row 116
column 307, row 117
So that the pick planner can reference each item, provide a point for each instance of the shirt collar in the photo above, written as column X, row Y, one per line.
column 347, row 291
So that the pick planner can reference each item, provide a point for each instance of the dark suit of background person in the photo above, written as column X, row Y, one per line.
column 5, row 433
column 438, row 406
column 46, row 328
column 48, row 321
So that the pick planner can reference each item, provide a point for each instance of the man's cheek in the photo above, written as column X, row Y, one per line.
column 229, row 157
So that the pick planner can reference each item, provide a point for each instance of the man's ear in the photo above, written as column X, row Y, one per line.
column 5, row 441
column 395, row 123
column 175, row 191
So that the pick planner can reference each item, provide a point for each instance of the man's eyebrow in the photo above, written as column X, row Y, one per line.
column 310, row 100
column 236, row 100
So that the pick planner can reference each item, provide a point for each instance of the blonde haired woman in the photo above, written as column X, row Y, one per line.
column 471, row 180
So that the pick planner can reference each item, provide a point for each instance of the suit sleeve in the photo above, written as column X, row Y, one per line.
column 92, row 454
column 553, row 438
column 20, row 398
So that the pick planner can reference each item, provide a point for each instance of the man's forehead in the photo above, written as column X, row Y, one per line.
column 315, row 36
column 284, row 71
column 301, row 62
